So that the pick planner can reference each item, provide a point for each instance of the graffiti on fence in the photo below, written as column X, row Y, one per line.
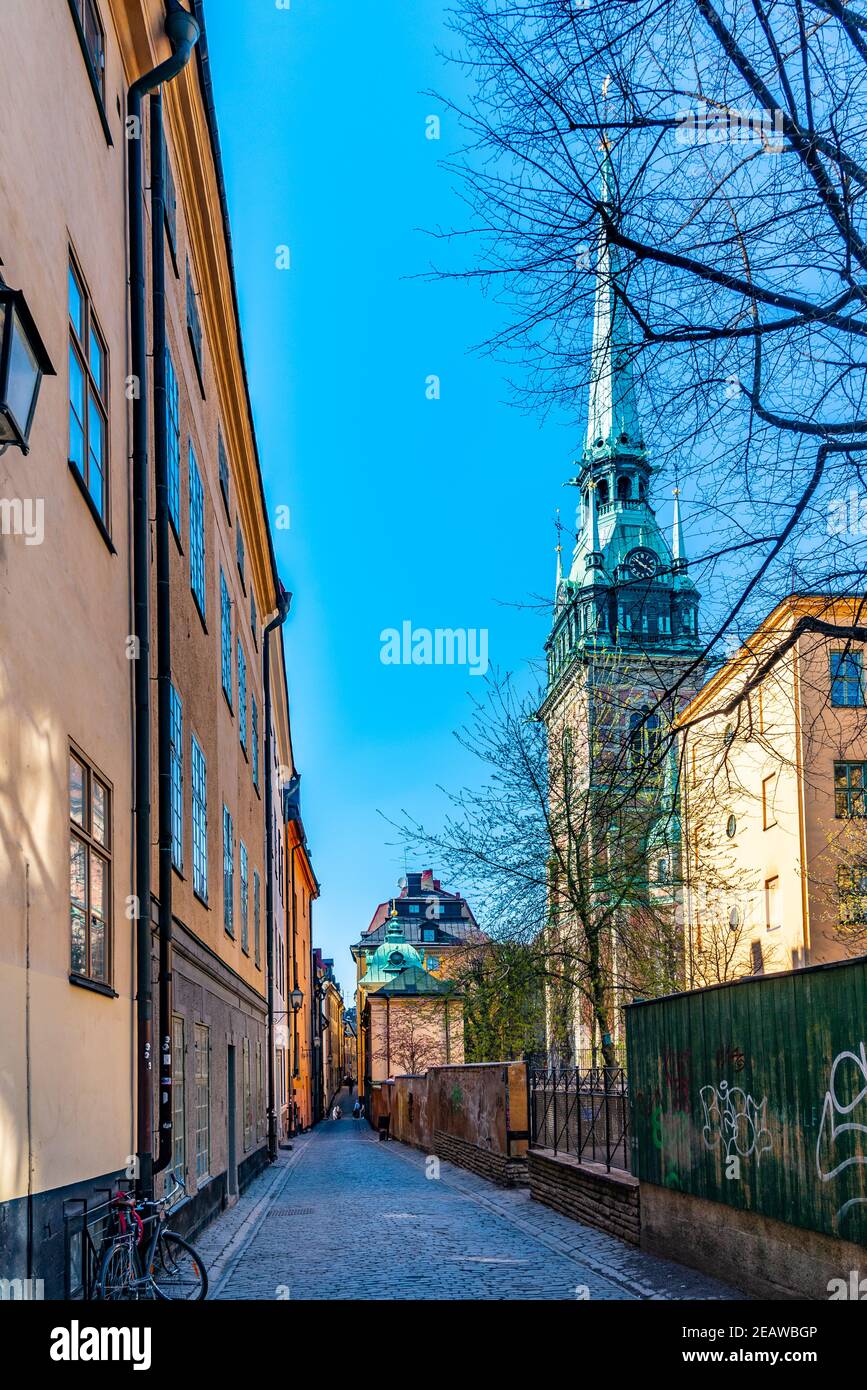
column 736, row 1121
column 842, row 1140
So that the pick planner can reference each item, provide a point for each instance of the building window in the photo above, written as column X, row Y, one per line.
column 847, row 678
column 92, row 38
column 223, row 466
column 849, row 788
column 245, row 919
column 197, row 534
column 433, row 962
column 248, row 1095
column 757, row 958
column 257, row 919
column 200, row 821
column 170, row 203
column 254, row 620
column 643, row 735
column 769, row 795
column 242, row 696
column 852, row 895
column 194, row 329
column 228, row 874
column 773, row 918
column 89, row 872
column 88, row 396
column 239, row 553
column 179, row 1144
column 428, row 933
column 260, row 1091
column 254, row 737
column 226, row 638
column 662, row 871
column 203, row 1102
column 176, row 768
column 731, row 827
column 173, row 445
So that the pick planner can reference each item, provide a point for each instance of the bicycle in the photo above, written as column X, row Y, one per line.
column 163, row 1265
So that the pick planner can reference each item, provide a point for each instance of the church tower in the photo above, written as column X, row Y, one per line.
column 624, row 652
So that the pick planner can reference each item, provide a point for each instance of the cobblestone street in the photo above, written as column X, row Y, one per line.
column 344, row 1216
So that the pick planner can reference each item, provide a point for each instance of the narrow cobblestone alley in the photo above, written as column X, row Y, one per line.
column 345, row 1216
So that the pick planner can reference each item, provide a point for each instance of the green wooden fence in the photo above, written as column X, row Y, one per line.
column 755, row 1094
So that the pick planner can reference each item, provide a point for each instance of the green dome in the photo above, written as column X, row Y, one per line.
column 393, row 955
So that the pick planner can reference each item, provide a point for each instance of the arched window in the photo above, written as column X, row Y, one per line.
column 624, row 489
column 602, row 493
column 643, row 735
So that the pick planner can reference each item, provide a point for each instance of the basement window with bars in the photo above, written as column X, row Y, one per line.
column 203, row 1102
column 179, row 1138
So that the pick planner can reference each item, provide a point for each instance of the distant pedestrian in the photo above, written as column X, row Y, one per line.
column 336, row 1113
column 356, row 1109
column 361, row 1111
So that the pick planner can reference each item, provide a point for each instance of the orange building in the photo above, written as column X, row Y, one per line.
column 303, row 892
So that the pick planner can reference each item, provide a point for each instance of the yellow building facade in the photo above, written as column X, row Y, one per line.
column 773, row 762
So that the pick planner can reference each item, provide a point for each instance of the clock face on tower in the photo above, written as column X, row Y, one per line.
column 642, row 563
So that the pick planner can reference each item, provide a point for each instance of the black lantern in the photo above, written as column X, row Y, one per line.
column 23, row 363
column 296, row 998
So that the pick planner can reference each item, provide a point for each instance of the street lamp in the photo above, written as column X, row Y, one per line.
column 23, row 363
column 296, row 998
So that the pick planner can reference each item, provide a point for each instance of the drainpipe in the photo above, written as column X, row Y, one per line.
column 164, row 647
column 283, row 601
column 182, row 32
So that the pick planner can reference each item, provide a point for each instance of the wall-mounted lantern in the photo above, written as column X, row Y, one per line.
column 23, row 363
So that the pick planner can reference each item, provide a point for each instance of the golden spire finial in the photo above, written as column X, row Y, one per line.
column 558, row 547
column 676, row 492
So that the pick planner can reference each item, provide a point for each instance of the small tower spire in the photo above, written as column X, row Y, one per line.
column 559, row 549
column 678, row 549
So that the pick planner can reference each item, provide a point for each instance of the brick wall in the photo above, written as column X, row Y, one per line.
column 508, row 1172
column 587, row 1193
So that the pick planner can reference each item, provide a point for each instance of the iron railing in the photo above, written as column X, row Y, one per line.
column 583, row 1111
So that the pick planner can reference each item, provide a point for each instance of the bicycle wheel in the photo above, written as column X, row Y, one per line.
column 118, row 1276
column 177, row 1270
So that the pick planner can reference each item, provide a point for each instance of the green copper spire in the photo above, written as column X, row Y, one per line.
column 613, row 426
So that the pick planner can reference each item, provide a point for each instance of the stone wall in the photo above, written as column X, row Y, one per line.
column 471, row 1115
column 586, row 1192
column 758, row 1254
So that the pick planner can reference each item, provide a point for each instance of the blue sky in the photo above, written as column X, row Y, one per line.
column 402, row 508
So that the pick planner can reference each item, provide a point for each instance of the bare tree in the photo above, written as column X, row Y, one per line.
column 736, row 137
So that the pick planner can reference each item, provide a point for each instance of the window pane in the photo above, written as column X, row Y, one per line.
column 76, row 304
column 76, row 792
column 97, row 362
column 76, row 411
column 99, row 825
column 96, row 451
column 78, row 905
